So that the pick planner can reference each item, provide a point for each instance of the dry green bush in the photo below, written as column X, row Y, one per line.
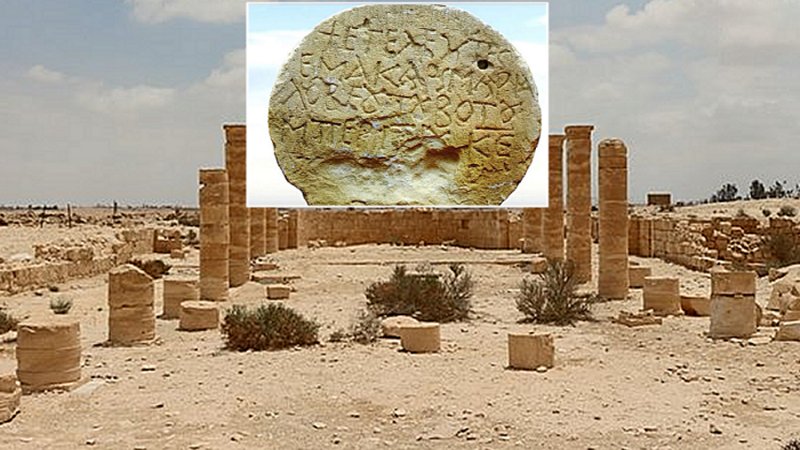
column 7, row 322
column 424, row 294
column 793, row 444
column 787, row 211
column 551, row 297
column 781, row 248
column 267, row 327
column 366, row 329
column 60, row 305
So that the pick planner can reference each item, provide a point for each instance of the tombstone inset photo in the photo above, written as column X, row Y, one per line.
column 397, row 105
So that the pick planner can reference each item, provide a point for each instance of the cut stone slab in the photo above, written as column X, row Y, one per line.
column 422, row 97
column 273, row 278
column 391, row 326
column 637, row 319
column 278, row 291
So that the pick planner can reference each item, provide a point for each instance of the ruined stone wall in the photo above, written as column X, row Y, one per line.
column 700, row 244
column 55, row 263
column 479, row 228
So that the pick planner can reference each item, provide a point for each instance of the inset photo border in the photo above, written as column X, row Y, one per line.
column 274, row 30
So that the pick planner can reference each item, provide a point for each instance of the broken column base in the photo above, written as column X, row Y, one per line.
column 530, row 351
column 198, row 316
column 10, row 394
column 391, row 326
column 422, row 337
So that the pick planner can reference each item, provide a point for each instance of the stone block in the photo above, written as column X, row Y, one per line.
column 732, row 283
column 530, row 351
column 696, row 305
column 198, row 315
column 637, row 275
column 421, row 337
column 278, row 291
column 661, row 294
column 733, row 316
column 788, row 331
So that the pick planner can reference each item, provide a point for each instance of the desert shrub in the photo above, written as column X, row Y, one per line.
column 424, row 294
column 551, row 296
column 7, row 322
column 766, row 212
column 793, row 444
column 60, row 305
column 366, row 329
column 787, row 211
column 338, row 335
column 267, row 327
column 781, row 248
column 741, row 213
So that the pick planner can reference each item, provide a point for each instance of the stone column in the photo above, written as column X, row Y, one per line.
column 291, row 241
column 612, row 280
column 553, row 223
column 236, row 165
column 258, row 232
column 532, row 229
column 271, row 230
column 579, row 200
column 214, row 234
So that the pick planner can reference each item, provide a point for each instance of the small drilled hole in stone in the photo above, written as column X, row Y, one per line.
column 483, row 64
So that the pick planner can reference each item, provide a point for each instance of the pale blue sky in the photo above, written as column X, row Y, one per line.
column 124, row 100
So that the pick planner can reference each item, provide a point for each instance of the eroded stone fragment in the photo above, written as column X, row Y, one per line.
column 404, row 105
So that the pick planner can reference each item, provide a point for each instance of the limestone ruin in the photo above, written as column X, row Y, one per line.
column 733, row 304
column 131, row 299
column 214, row 234
column 613, row 279
column 424, row 100
column 48, row 354
column 423, row 337
column 579, row 199
column 530, row 351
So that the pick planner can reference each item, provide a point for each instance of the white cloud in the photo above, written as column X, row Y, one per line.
column 231, row 73
column 211, row 11
column 125, row 100
column 43, row 74
column 271, row 49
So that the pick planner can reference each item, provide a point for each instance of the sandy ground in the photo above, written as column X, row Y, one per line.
column 613, row 387
column 752, row 208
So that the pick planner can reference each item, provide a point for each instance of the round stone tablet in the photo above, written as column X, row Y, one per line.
column 404, row 105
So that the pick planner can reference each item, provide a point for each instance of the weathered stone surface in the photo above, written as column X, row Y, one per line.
column 10, row 392
column 391, row 326
column 197, row 316
column 48, row 353
column 530, row 351
column 421, row 337
column 424, row 98
column 789, row 331
column 278, row 291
